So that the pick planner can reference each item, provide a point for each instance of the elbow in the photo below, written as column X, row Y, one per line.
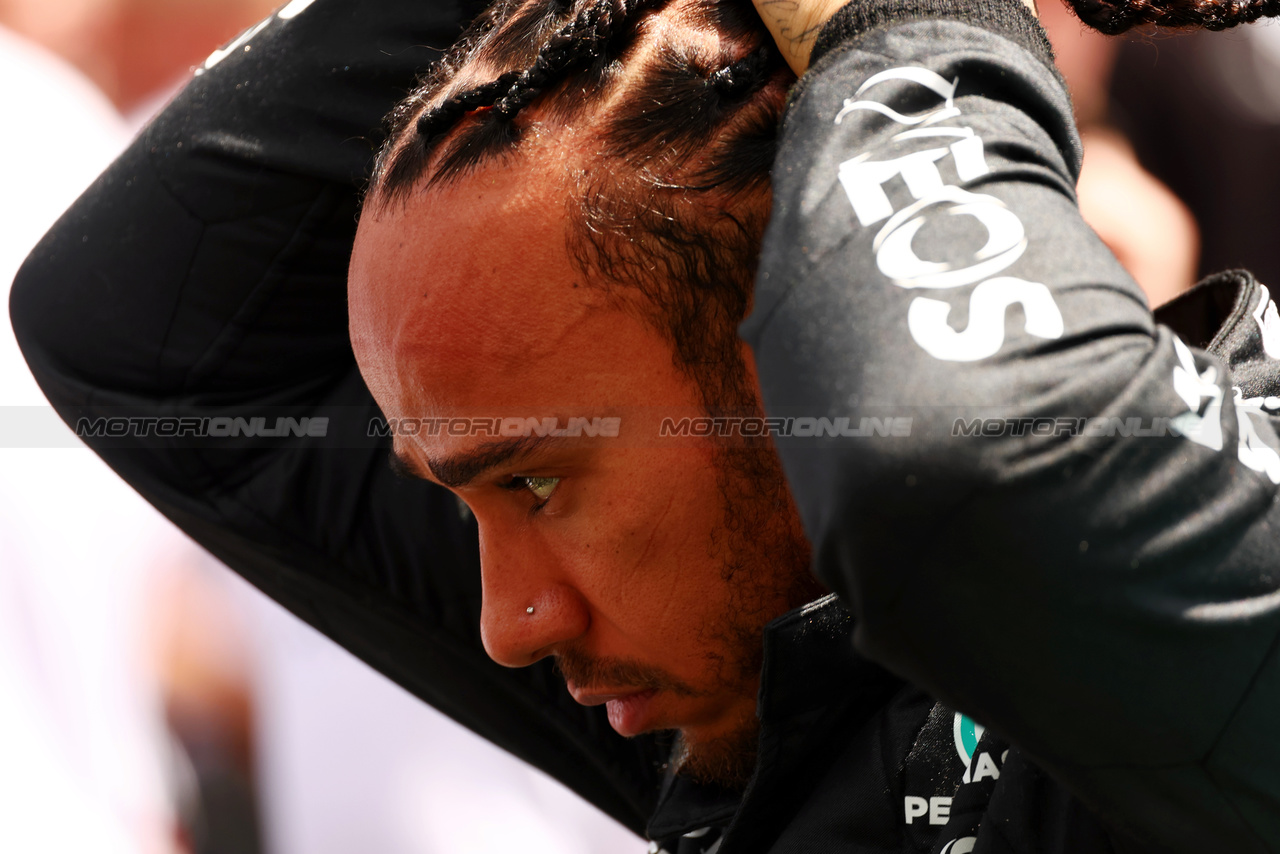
column 33, row 316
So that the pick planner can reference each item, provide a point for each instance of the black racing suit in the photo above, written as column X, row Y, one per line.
column 1033, row 502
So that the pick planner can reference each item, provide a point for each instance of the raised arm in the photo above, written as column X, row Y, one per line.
column 203, row 280
column 1061, row 516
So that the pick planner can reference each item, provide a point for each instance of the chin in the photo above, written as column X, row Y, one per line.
column 727, row 760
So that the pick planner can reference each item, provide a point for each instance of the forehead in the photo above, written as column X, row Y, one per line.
column 478, row 270
column 465, row 301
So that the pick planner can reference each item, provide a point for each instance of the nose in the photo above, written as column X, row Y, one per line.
column 529, row 607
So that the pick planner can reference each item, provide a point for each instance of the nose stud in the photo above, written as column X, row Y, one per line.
column 529, row 610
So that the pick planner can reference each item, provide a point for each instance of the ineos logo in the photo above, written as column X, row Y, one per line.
column 864, row 180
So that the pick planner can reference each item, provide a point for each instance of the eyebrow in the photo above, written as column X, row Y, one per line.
column 463, row 468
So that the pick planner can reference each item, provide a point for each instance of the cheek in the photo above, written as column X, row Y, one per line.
column 645, row 554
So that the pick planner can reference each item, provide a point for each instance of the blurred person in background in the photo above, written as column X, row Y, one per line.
column 344, row 760
column 113, row 638
column 82, row 744
column 1203, row 114
column 1141, row 220
column 134, row 50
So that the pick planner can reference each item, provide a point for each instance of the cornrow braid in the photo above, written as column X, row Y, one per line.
column 581, row 42
column 745, row 76
column 543, row 44
column 1117, row 16
column 433, row 123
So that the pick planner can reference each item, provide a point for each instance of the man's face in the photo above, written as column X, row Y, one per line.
column 611, row 553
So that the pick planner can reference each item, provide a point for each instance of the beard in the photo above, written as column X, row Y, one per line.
column 765, row 556
column 728, row 761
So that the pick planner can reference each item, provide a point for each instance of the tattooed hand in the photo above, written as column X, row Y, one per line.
column 795, row 25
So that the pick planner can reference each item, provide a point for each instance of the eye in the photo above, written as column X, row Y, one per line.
column 541, row 487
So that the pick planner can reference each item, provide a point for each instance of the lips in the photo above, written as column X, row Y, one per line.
column 629, row 711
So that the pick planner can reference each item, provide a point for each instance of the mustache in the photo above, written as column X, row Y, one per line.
column 589, row 671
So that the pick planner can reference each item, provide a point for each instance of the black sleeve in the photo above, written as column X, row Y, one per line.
column 200, row 285
column 1044, row 508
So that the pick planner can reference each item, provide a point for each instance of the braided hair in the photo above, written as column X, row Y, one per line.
column 542, row 45
column 1117, row 16
column 670, row 202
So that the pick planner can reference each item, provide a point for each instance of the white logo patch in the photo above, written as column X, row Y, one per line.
column 242, row 40
column 290, row 11
column 1268, row 320
column 967, row 733
column 1253, row 451
column 922, row 76
column 294, row 9
column 1202, row 427
column 982, row 338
